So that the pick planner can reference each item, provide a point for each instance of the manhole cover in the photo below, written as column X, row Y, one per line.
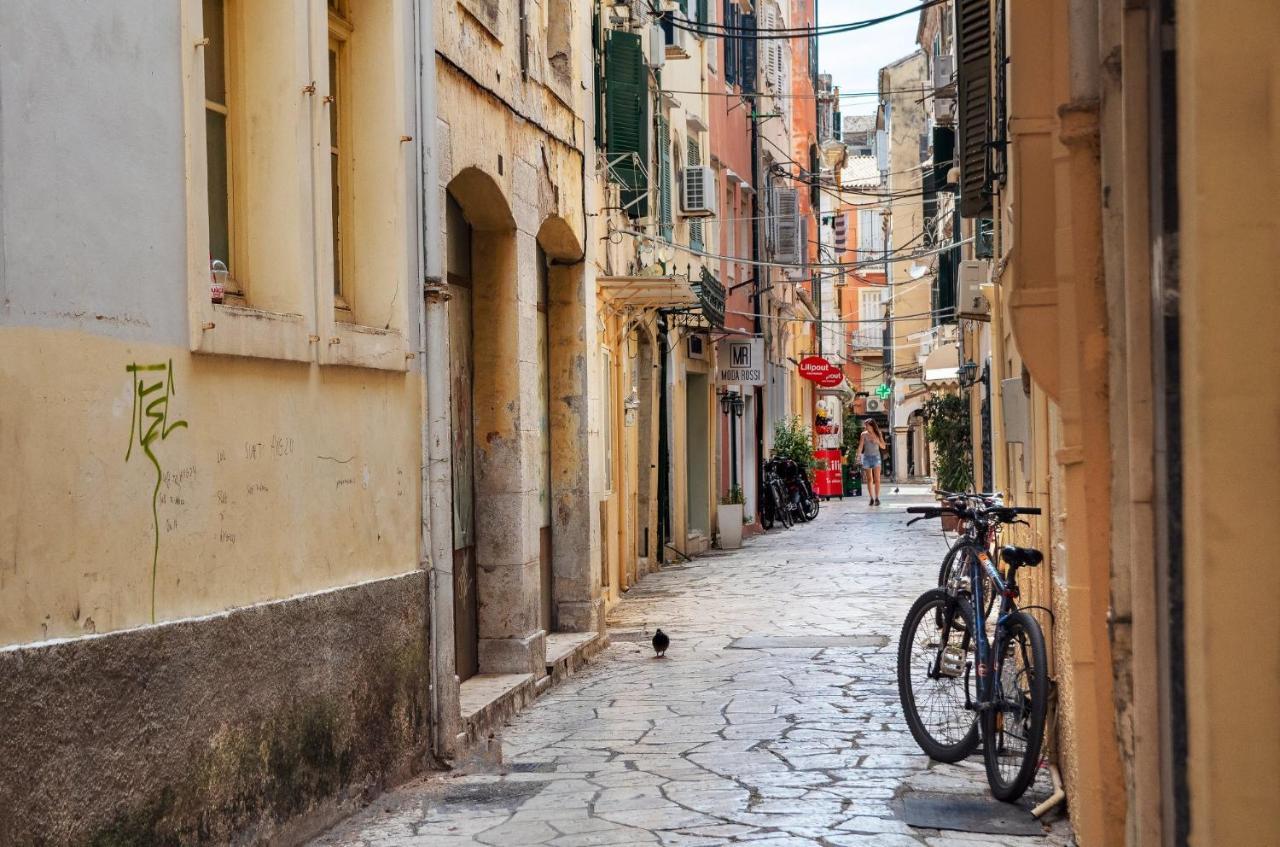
column 967, row 813
column 508, row 795
column 807, row 642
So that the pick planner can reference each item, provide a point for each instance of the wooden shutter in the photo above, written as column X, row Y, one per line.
column 627, row 116
column 973, row 121
column 786, row 225
column 695, row 224
column 748, row 47
column 664, row 180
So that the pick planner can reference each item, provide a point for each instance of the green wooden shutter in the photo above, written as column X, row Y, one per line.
column 627, row 118
column 704, row 12
column 973, row 135
column 665, row 220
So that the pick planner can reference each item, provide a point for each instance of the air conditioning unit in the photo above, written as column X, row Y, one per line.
column 873, row 405
column 657, row 46
column 698, row 191
column 944, row 67
column 971, row 303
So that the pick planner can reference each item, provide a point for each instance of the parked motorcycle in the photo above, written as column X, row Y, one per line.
column 800, row 497
column 773, row 498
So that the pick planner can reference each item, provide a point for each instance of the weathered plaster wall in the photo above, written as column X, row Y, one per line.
column 264, row 723
column 269, row 479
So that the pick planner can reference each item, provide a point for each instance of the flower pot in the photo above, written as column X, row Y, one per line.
column 729, row 520
column 950, row 523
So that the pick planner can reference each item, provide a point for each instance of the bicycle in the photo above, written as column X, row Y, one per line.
column 945, row 644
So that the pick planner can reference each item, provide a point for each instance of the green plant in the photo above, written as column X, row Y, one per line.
column 734, row 497
column 793, row 440
column 852, row 431
column 947, row 428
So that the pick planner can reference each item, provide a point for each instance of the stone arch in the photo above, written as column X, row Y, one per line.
column 574, row 584
column 494, row 430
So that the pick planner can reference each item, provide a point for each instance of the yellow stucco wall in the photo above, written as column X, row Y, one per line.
column 1229, row 127
column 275, row 479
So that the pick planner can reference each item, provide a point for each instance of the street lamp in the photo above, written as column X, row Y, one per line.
column 968, row 374
column 731, row 404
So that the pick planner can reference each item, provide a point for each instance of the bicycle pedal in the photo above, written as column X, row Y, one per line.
column 951, row 663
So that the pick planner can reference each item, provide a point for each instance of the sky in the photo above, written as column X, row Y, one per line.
column 854, row 59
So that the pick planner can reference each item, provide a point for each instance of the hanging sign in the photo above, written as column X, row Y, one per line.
column 740, row 361
column 883, row 391
column 831, row 378
column 815, row 368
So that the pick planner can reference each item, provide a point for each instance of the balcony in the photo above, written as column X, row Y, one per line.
column 867, row 341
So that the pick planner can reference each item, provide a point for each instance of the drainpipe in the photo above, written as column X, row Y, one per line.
column 433, row 354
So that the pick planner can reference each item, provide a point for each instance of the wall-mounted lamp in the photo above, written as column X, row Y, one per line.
column 968, row 374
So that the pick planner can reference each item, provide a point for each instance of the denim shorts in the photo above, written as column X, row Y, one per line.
column 869, row 461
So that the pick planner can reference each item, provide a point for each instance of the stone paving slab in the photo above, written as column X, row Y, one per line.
column 798, row 742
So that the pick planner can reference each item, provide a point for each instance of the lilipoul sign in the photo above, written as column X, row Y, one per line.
column 819, row 370
column 740, row 361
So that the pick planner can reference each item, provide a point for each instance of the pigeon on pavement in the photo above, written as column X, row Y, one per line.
column 660, row 643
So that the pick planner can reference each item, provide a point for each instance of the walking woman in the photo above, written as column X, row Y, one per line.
column 869, row 446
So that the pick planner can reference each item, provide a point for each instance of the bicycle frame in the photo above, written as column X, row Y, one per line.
column 980, row 565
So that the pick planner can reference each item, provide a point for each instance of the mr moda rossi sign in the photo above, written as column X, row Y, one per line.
column 740, row 361
column 816, row 368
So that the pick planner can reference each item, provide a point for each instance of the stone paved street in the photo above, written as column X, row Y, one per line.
column 767, row 743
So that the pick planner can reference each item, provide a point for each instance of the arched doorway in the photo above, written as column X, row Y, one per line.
column 494, row 563
column 569, row 564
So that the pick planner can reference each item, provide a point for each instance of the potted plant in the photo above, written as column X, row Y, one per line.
column 729, row 518
column 947, row 428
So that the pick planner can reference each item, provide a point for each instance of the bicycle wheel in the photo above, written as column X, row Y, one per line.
column 766, row 513
column 935, row 655
column 1013, row 728
column 783, row 507
column 810, row 508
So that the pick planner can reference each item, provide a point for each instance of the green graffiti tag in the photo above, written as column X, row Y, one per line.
column 148, row 422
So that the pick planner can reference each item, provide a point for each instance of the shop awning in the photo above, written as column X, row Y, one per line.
column 649, row 292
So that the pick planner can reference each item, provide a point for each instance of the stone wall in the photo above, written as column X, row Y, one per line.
column 261, row 724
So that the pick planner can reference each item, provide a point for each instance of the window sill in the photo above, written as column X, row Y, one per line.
column 244, row 331
column 355, row 345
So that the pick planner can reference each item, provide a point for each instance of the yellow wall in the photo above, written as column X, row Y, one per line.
column 281, row 478
column 1228, row 153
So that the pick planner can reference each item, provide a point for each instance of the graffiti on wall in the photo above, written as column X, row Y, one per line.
column 153, row 386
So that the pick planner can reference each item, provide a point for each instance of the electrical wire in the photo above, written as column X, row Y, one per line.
column 717, row 30
column 788, row 265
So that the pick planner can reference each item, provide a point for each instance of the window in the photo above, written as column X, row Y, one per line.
column 256, row 133
column 665, row 228
column 627, row 119
column 695, row 224
column 217, row 133
column 870, row 332
column 339, row 35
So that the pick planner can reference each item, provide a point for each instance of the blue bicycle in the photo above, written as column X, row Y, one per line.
column 969, row 670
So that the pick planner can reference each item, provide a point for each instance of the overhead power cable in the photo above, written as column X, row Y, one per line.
column 755, row 33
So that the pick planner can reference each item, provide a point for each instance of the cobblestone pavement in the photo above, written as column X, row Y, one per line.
column 773, row 745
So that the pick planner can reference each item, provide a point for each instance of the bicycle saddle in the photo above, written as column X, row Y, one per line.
column 1021, row 557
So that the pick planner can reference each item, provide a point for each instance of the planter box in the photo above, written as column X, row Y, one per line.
column 729, row 520
column 950, row 523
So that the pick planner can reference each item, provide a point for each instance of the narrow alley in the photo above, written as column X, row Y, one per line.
column 774, row 720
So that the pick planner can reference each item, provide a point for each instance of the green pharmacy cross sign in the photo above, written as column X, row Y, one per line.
column 883, row 391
